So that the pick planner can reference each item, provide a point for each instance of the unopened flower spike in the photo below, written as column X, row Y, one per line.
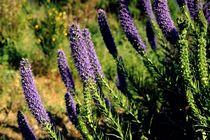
column 24, row 127
column 106, row 33
column 71, row 108
column 151, row 35
column 65, row 71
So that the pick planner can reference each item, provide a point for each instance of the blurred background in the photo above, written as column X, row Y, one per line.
column 36, row 29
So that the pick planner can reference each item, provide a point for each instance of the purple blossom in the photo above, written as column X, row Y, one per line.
column 129, row 28
column 31, row 94
column 147, row 9
column 71, row 108
column 206, row 11
column 24, row 127
column 95, row 64
column 106, row 33
column 80, row 54
column 65, row 71
column 151, row 35
column 164, row 20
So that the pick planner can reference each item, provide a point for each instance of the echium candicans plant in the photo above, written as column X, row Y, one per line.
column 82, row 63
column 171, row 102
column 81, row 41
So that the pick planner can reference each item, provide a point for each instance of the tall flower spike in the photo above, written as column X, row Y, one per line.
column 71, row 108
column 206, row 11
column 65, row 71
column 31, row 94
column 129, row 28
column 164, row 20
column 147, row 9
column 95, row 64
column 24, row 127
column 106, row 33
column 80, row 55
column 151, row 35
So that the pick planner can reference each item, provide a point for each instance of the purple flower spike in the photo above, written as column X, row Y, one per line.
column 164, row 20
column 24, row 127
column 206, row 11
column 80, row 54
column 71, row 108
column 129, row 28
column 106, row 33
column 95, row 64
column 151, row 35
column 65, row 71
column 31, row 94
column 193, row 8
column 147, row 9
